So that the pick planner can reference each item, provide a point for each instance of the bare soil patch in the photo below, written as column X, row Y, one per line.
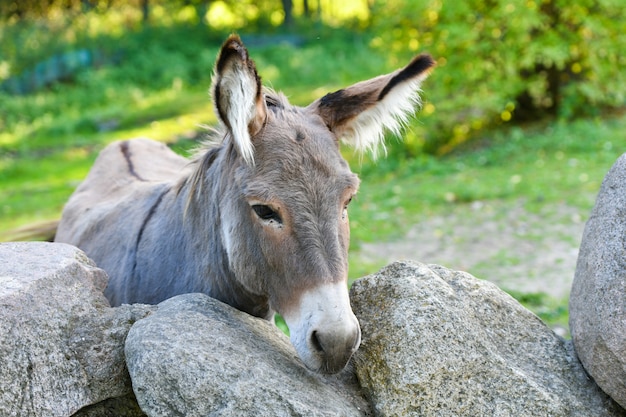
column 502, row 242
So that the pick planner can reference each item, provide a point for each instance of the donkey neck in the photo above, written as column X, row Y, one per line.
column 202, row 222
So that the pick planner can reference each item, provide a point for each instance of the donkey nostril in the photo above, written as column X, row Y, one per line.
column 315, row 341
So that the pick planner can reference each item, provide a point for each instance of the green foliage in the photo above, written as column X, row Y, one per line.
column 499, row 61
column 504, row 60
column 491, row 57
column 117, row 34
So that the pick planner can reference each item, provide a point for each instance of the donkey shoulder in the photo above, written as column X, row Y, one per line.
column 122, row 184
column 127, row 168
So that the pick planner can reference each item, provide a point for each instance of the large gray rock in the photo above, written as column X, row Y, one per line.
column 61, row 345
column 598, row 298
column 199, row 357
column 441, row 343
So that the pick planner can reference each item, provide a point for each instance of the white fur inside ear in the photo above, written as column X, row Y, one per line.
column 238, row 91
column 366, row 133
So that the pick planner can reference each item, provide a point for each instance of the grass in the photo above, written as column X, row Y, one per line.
column 543, row 165
column 49, row 139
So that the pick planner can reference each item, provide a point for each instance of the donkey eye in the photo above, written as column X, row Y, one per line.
column 266, row 213
column 344, row 213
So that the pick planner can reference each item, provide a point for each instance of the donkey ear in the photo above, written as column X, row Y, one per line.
column 359, row 114
column 238, row 96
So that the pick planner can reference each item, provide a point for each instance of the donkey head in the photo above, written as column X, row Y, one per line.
column 284, row 220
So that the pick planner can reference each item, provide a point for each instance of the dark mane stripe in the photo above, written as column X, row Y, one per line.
column 124, row 147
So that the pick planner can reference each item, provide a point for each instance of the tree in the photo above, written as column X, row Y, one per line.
column 503, row 60
column 145, row 11
column 288, row 10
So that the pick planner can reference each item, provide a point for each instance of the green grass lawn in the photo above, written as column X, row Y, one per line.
column 49, row 139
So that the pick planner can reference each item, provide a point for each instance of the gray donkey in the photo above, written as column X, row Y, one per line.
column 258, row 219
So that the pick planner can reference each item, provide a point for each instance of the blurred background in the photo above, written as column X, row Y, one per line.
column 496, row 174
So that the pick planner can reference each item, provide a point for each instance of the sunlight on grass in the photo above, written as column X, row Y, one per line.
column 169, row 129
column 7, row 138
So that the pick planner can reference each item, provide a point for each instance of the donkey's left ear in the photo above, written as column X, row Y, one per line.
column 359, row 114
column 238, row 96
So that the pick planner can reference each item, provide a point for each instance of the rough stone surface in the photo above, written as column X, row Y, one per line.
column 442, row 343
column 199, row 357
column 598, row 297
column 61, row 345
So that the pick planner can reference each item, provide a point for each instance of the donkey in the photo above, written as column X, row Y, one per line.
column 258, row 219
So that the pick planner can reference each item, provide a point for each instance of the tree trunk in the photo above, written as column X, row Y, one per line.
column 145, row 11
column 288, row 9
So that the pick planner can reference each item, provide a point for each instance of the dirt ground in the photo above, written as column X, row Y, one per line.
column 496, row 241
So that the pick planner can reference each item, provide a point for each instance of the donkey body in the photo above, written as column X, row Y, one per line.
column 258, row 219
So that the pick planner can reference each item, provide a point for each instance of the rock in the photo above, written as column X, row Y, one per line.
column 198, row 357
column 598, row 298
column 61, row 345
column 441, row 343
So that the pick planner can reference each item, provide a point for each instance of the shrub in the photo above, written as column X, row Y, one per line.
column 501, row 61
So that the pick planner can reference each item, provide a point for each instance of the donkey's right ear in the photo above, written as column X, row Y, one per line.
column 238, row 96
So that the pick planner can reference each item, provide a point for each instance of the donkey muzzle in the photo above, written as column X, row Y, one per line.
column 324, row 330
